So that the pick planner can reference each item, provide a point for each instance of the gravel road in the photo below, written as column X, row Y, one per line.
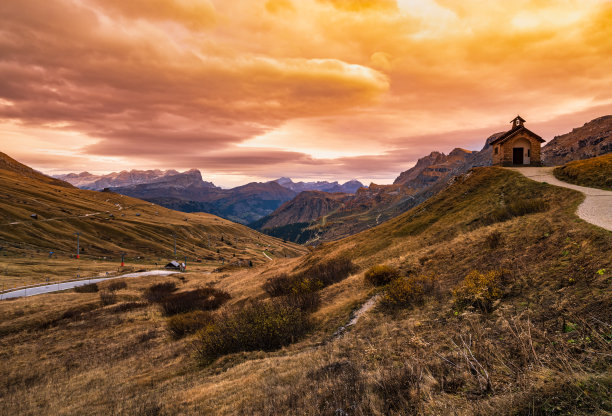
column 597, row 205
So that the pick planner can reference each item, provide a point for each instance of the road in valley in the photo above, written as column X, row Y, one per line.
column 55, row 287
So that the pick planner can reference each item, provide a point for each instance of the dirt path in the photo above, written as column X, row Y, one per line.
column 365, row 308
column 597, row 206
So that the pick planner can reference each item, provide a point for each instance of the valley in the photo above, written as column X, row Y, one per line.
column 544, row 334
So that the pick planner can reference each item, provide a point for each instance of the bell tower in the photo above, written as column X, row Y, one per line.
column 517, row 122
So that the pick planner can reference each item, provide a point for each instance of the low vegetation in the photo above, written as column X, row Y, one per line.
column 90, row 288
column 259, row 326
column 107, row 297
column 595, row 172
column 516, row 208
column 310, row 279
column 479, row 290
column 204, row 299
column 404, row 292
column 159, row 291
column 116, row 285
column 381, row 274
column 188, row 323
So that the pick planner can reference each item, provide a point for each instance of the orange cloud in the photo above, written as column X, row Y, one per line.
column 301, row 80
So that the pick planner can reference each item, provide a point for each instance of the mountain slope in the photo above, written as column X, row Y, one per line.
column 110, row 224
column 592, row 139
column 11, row 165
column 306, row 207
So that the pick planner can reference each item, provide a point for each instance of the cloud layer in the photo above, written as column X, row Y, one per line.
column 309, row 88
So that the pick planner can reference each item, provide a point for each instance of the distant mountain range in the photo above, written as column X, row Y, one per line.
column 86, row 180
column 188, row 192
column 324, row 186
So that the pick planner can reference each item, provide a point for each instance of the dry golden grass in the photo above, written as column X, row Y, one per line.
column 595, row 172
column 110, row 224
column 544, row 347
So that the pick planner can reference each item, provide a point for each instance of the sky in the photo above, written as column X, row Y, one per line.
column 252, row 90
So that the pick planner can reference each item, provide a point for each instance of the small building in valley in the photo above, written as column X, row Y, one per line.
column 175, row 265
column 518, row 146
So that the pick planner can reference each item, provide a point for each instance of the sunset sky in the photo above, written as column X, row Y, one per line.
column 250, row 90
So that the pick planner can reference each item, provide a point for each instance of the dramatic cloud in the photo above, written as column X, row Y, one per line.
column 308, row 88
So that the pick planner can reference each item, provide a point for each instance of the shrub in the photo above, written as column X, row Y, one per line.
column 311, row 279
column 493, row 240
column 329, row 271
column 408, row 291
column 516, row 208
column 479, row 290
column 116, row 285
column 259, row 326
column 307, row 300
column 91, row 288
column 279, row 285
column 159, row 291
column 108, row 298
column 381, row 274
column 206, row 299
column 188, row 323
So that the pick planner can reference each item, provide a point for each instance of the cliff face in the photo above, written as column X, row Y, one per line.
column 423, row 163
column 592, row 139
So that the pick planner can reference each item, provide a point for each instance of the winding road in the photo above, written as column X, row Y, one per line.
column 597, row 205
column 55, row 287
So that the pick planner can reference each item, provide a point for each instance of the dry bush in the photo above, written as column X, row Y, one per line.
column 259, row 326
column 116, row 285
column 91, row 288
column 479, row 290
column 516, row 208
column 409, row 291
column 329, row 271
column 310, row 280
column 126, row 306
column 159, row 291
column 205, row 299
column 188, row 323
column 278, row 285
column 108, row 298
column 493, row 240
column 381, row 274
column 399, row 389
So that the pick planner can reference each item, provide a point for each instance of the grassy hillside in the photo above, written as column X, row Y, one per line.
column 595, row 172
column 528, row 331
column 110, row 224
